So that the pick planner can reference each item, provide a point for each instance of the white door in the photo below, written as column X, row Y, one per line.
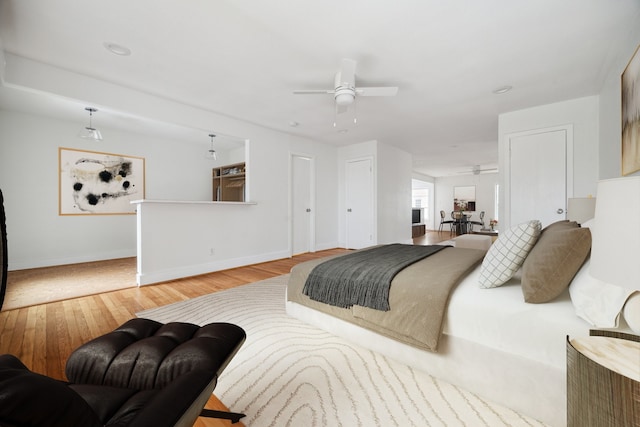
column 302, row 233
column 359, row 204
column 538, row 176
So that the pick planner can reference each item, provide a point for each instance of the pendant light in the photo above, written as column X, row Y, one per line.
column 211, row 153
column 89, row 132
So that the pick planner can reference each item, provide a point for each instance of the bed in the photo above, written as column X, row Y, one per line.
column 492, row 342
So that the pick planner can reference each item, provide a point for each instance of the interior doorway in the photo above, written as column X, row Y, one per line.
column 302, row 204
column 540, row 174
column 422, row 197
column 360, row 213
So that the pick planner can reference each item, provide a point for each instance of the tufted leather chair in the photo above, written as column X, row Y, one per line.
column 143, row 373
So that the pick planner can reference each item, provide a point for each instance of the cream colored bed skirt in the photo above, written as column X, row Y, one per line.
column 524, row 385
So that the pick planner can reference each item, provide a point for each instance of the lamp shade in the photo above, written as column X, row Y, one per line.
column 90, row 133
column 615, row 252
column 581, row 209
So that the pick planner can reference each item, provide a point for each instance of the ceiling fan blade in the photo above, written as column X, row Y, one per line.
column 377, row 91
column 313, row 92
column 347, row 74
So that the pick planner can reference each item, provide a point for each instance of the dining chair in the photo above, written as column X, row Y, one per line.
column 443, row 222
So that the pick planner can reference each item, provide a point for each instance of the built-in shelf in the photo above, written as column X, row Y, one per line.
column 229, row 183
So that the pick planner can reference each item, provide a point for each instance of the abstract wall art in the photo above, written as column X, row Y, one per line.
column 631, row 115
column 94, row 183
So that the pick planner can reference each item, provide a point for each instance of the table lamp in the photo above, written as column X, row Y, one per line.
column 580, row 209
column 615, row 249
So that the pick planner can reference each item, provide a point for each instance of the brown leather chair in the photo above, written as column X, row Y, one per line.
column 144, row 373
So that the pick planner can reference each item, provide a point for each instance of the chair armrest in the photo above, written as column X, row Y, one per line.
column 31, row 399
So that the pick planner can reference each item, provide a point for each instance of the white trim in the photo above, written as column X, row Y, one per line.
column 505, row 169
column 312, row 200
column 194, row 270
column 374, row 202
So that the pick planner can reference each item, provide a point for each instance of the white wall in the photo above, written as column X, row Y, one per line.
column 485, row 194
column 610, row 121
column 37, row 236
column 596, row 120
column 367, row 149
column 392, row 190
column 582, row 114
column 394, row 195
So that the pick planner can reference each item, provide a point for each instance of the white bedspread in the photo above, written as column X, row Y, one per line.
column 499, row 318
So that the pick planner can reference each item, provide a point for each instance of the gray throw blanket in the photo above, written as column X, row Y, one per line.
column 364, row 277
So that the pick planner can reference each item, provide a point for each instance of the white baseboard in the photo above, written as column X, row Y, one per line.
column 148, row 278
column 50, row 262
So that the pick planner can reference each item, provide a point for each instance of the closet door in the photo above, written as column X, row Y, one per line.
column 359, row 204
column 538, row 175
column 302, row 209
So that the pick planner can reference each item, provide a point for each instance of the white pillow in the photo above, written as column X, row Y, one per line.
column 508, row 253
column 595, row 301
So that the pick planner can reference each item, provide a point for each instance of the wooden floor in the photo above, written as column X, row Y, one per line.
column 43, row 336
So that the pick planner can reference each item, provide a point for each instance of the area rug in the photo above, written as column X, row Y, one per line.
column 289, row 373
column 61, row 282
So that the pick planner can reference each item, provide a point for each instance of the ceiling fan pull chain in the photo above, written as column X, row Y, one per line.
column 355, row 110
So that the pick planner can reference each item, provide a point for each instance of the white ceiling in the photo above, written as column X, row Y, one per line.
column 243, row 58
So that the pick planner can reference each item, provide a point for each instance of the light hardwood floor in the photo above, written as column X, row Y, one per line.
column 43, row 336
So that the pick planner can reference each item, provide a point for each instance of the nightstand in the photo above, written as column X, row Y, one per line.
column 603, row 380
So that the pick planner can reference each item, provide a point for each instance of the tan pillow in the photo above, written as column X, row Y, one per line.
column 553, row 261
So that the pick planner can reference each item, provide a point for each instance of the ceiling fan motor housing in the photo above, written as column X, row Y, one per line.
column 344, row 95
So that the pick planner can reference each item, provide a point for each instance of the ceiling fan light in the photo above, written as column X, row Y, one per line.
column 344, row 98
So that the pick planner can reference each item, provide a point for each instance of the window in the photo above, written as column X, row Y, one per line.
column 420, row 197
column 496, row 207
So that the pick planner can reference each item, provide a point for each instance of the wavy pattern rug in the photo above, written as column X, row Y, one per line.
column 291, row 374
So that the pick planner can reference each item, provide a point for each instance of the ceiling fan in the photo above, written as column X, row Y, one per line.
column 345, row 89
column 476, row 170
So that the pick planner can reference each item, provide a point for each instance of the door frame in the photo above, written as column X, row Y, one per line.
column 506, row 169
column 312, row 200
column 372, row 188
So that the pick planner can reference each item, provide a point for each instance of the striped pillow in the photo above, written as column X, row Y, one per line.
column 508, row 253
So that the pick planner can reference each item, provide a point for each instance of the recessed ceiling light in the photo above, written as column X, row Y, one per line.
column 502, row 89
column 117, row 49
